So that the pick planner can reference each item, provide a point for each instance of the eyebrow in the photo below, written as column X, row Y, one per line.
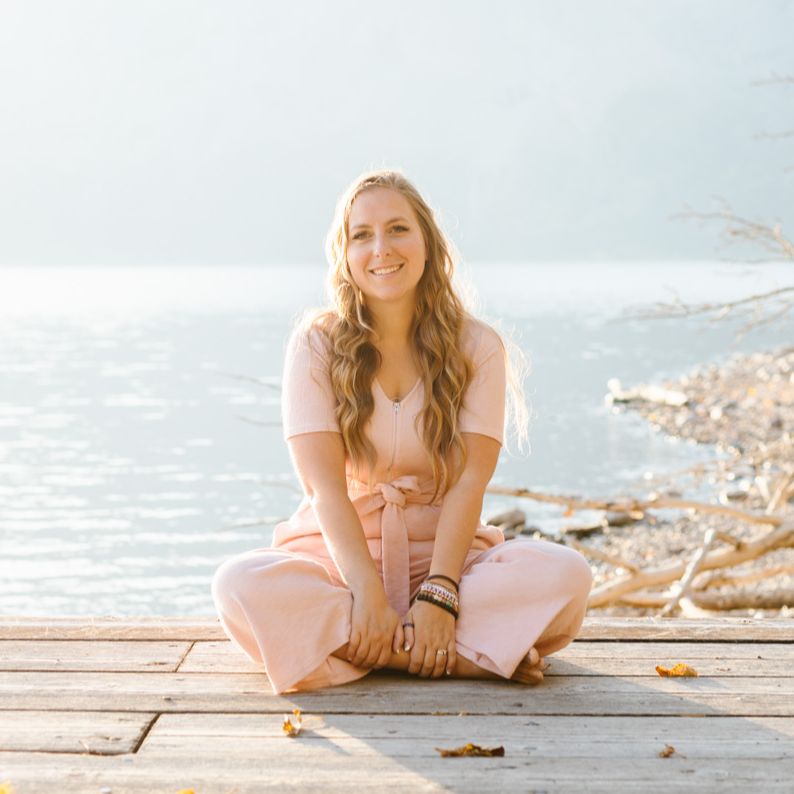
column 391, row 220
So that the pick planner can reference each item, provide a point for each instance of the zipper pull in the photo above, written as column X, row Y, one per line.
column 396, row 408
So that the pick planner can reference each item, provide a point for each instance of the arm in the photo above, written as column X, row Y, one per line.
column 319, row 461
column 462, row 507
column 376, row 631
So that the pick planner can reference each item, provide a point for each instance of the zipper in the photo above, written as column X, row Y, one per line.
column 394, row 435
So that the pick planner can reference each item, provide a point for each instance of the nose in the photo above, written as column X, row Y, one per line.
column 382, row 247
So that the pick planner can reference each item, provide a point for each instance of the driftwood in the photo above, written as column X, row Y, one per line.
column 781, row 537
column 680, row 589
column 637, row 506
column 709, row 581
column 646, row 393
column 739, row 599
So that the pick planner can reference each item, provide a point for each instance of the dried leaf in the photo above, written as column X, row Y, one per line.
column 667, row 752
column 186, row 791
column 5, row 788
column 680, row 670
column 292, row 727
column 568, row 512
column 470, row 749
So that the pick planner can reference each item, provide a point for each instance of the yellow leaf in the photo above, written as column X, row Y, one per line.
column 5, row 788
column 680, row 670
column 186, row 791
column 471, row 749
column 292, row 727
column 667, row 752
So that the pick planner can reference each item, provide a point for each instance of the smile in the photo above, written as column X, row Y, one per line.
column 384, row 271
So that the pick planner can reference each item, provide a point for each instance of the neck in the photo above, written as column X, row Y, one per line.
column 393, row 326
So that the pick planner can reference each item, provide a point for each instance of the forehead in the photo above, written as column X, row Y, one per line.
column 378, row 205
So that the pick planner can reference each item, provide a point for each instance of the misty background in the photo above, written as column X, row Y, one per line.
column 213, row 133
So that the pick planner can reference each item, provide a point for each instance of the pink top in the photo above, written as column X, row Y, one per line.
column 399, row 520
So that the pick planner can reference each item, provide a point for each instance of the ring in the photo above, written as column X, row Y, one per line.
column 441, row 652
column 405, row 625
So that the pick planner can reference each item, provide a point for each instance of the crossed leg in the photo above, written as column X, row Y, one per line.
column 529, row 671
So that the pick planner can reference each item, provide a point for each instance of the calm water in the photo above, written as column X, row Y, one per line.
column 140, row 441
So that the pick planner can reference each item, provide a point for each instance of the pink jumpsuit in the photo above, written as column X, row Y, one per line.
column 287, row 606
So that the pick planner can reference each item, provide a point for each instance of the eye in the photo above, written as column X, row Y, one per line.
column 358, row 235
column 400, row 228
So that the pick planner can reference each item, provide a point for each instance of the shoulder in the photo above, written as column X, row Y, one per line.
column 480, row 340
column 309, row 339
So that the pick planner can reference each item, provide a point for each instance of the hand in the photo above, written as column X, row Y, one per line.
column 434, row 630
column 375, row 628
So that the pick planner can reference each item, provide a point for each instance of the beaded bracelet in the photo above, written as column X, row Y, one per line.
column 440, row 596
column 439, row 591
column 448, row 607
column 442, row 576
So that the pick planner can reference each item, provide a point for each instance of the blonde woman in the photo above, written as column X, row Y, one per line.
column 393, row 407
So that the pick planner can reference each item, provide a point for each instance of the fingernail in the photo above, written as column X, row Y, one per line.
column 407, row 647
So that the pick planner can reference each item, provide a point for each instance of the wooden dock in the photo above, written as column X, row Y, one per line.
column 162, row 705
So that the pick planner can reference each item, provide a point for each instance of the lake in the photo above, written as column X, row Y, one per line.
column 140, row 441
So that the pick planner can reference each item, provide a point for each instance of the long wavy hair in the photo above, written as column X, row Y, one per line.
column 439, row 317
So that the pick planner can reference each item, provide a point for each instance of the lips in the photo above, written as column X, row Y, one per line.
column 386, row 270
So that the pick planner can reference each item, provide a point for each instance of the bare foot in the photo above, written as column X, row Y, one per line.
column 530, row 669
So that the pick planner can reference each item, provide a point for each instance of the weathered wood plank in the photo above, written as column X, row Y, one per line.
column 338, row 773
column 108, row 655
column 580, row 658
column 412, row 736
column 103, row 733
column 208, row 628
column 385, row 693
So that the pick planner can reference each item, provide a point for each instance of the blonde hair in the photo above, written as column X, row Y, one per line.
column 439, row 317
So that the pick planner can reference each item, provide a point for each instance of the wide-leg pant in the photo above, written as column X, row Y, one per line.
column 290, row 611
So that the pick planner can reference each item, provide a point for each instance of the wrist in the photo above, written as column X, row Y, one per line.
column 365, row 584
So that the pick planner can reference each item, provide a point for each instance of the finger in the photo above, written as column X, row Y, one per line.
column 410, row 638
column 428, row 664
column 373, row 655
column 361, row 653
column 533, row 656
column 398, row 640
column 452, row 658
column 385, row 656
column 417, row 659
column 441, row 663
column 352, row 645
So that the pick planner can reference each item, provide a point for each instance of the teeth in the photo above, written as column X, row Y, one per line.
column 383, row 270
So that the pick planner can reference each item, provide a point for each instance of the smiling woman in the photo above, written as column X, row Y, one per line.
column 393, row 407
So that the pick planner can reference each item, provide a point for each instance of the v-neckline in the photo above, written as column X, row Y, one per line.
column 405, row 397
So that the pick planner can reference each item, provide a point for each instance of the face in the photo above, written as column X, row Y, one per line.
column 386, row 250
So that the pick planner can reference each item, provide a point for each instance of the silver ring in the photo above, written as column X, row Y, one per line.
column 441, row 652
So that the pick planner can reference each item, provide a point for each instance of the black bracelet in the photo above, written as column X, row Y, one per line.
column 441, row 604
column 441, row 576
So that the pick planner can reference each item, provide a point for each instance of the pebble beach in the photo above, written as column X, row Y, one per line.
column 743, row 406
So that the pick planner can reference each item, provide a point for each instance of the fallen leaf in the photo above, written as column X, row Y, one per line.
column 186, row 791
column 680, row 670
column 5, row 788
column 667, row 752
column 292, row 727
column 470, row 749
column 569, row 512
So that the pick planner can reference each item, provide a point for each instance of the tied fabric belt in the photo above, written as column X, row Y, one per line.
column 393, row 496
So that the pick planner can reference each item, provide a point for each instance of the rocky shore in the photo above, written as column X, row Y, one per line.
column 745, row 408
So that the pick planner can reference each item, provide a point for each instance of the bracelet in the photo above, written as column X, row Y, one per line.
column 440, row 591
column 442, row 576
column 448, row 607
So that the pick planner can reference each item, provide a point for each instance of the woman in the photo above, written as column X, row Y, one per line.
column 393, row 406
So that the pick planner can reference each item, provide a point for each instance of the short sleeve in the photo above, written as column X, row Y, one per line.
column 307, row 400
column 483, row 409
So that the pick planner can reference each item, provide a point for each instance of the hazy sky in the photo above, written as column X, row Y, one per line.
column 181, row 132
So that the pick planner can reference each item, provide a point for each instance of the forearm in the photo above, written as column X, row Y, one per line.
column 344, row 536
column 457, row 525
